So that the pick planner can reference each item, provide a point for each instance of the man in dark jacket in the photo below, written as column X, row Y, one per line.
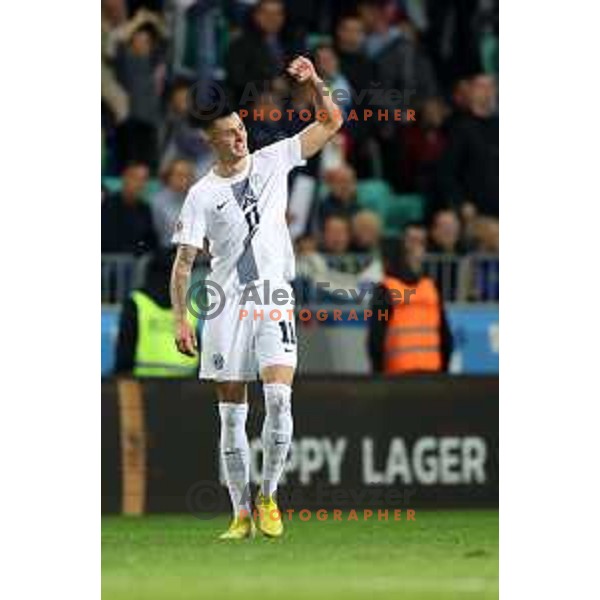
column 401, row 66
column 126, row 220
column 401, row 63
column 138, row 67
column 259, row 54
column 469, row 167
column 359, row 69
column 354, row 63
column 406, row 265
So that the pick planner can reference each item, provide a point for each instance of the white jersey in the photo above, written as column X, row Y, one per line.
column 244, row 218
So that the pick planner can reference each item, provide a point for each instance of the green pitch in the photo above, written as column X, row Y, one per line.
column 441, row 555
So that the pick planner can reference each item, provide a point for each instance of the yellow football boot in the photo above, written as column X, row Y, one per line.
column 270, row 520
column 241, row 528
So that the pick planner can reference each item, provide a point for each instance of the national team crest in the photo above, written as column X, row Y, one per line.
column 218, row 361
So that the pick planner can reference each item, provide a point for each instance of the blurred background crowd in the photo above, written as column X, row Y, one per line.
column 427, row 189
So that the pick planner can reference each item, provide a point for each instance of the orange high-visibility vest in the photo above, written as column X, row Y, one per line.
column 412, row 340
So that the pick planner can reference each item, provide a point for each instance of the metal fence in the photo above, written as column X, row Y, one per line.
column 484, row 284
column 120, row 274
column 471, row 278
column 123, row 273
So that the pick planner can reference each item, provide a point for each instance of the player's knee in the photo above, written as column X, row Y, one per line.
column 278, row 374
column 231, row 391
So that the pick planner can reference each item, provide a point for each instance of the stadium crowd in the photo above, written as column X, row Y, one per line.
column 438, row 173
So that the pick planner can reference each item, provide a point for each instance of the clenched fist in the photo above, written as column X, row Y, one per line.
column 302, row 70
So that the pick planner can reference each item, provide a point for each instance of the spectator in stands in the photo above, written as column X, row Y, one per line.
column 445, row 235
column 424, row 145
column 452, row 38
column 114, row 18
column 339, row 263
column 180, row 137
column 259, row 54
column 166, row 204
column 469, row 167
column 126, row 220
column 460, row 95
column 328, row 66
column 366, row 232
column 400, row 65
column 145, row 345
column 306, row 245
column 140, row 72
column 487, row 235
column 446, row 241
column 446, row 244
column 341, row 201
column 360, row 71
column 416, row 336
column 468, row 219
column 336, row 236
column 354, row 63
column 117, row 29
column 339, row 269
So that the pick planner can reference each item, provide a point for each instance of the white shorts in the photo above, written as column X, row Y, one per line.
column 245, row 338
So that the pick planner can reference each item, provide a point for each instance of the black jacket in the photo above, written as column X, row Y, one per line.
column 127, row 228
column 359, row 70
column 469, row 167
column 250, row 60
column 404, row 66
column 378, row 328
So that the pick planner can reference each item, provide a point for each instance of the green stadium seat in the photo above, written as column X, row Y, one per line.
column 402, row 209
column 374, row 194
column 489, row 53
column 113, row 184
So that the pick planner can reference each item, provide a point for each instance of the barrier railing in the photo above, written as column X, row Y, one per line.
column 451, row 275
column 484, row 278
column 471, row 278
column 120, row 274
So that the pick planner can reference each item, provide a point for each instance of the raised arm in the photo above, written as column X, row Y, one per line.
column 329, row 116
column 185, row 336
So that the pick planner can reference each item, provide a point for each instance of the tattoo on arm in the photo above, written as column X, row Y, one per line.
column 180, row 279
column 317, row 134
column 324, row 103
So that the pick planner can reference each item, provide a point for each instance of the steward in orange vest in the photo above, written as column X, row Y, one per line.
column 416, row 336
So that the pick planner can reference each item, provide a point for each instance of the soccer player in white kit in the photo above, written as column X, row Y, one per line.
column 239, row 207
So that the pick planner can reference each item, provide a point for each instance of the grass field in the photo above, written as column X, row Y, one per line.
column 441, row 555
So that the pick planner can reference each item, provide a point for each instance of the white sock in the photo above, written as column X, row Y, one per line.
column 235, row 454
column 276, row 434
